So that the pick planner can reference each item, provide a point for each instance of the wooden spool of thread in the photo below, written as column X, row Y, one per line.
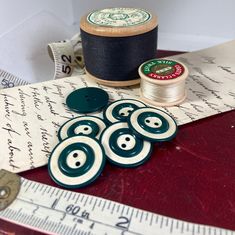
column 115, row 42
column 163, row 82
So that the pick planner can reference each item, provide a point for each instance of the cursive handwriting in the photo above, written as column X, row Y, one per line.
column 12, row 149
column 45, row 141
column 36, row 97
column 199, row 81
column 226, row 69
column 205, row 76
column 59, row 90
column 208, row 60
column 50, row 104
column 7, row 105
column 23, row 97
column 10, row 130
column 71, row 84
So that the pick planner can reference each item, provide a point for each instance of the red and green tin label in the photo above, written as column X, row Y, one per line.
column 162, row 69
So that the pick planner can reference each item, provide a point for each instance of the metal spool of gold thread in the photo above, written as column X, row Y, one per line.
column 115, row 42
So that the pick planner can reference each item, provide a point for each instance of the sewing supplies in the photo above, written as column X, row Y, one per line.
column 163, row 82
column 86, row 125
column 123, row 148
column 87, row 100
column 152, row 124
column 55, row 211
column 124, row 136
column 8, row 80
column 115, row 42
column 76, row 161
column 119, row 110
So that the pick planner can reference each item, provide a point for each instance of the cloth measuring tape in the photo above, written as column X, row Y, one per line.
column 8, row 80
column 67, row 56
column 55, row 211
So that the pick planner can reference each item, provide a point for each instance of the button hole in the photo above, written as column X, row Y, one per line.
column 127, row 139
column 77, row 163
column 75, row 155
column 123, row 145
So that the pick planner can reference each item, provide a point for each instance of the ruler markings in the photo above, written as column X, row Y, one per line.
column 146, row 217
column 45, row 188
column 82, row 198
column 52, row 193
column 132, row 212
column 86, row 201
column 28, row 186
column 136, row 214
column 33, row 185
column 118, row 207
column 36, row 189
column 162, row 220
column 71, row 193
column 172, row 226
column 41, row 188
column 94, row 204
column 127, row 210
column 151, row 220
column 77, row 198
column 18, row 213
column 187, row 227
column 46, row 208
column 74, row 196
column 91, row 199
column 157, row 219
column 38, row 220
column 52, row 226
column 113, row 208
column 59, row 229
column 103, row 205
column 166, row 222
column 73, row 229
column 88, row 219
column 65, row 194
column 63, row 228
column 109, row 205
column 123, row 207
column 141, row 216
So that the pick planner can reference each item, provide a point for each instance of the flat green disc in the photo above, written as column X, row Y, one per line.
column 87, row 100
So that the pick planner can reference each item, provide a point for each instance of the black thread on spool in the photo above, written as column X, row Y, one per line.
column 118, row 58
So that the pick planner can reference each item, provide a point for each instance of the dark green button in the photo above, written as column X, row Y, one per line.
column 76, row 161
column 123, row 148
column 152, row 124
column 87, row 100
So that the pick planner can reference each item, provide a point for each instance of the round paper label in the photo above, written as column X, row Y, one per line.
column 119, row 17
column 162, row 69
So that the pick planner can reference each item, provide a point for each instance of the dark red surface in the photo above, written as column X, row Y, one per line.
column 190, row 178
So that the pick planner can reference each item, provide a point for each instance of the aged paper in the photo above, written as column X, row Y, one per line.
column 31, row 115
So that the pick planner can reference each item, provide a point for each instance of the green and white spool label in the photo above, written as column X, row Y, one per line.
column 119, row 17
column 162, row 69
